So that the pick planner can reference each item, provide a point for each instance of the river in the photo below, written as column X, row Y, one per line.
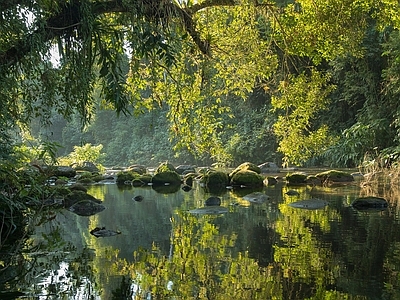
column 266, row 250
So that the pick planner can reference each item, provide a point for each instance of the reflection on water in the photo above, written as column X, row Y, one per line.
column 266, row 250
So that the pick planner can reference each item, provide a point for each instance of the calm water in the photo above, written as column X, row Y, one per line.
column 254, row 251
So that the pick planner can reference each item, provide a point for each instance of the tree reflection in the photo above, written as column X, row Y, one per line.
column 202, row 264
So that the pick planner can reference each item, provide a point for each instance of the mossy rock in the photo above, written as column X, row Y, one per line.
column 313, row 180
column 170, row 177
column 76, row 196
column 124, row 176
column 86, row 208
column 146, row 178
column 296, row 179
column 138, row 169
column 215, row 178
column 246, row 166
column 78, row 187
column 270, row 180
column 165, row 167
column 335, row 176
column 85, row 181
column 370, row 203
column 247, row 178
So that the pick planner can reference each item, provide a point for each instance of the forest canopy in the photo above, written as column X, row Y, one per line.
column 316, row 81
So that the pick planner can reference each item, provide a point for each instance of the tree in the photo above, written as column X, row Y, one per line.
column 188, row 57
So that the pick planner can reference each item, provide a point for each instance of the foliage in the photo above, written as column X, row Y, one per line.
column 86, row 153
column 301, row 99
column 194, row 64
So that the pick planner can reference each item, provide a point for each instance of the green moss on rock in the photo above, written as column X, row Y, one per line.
column 246, row 166
column 247, row 178
column 335, row 176
column 296, row 179
column 126, row 176
column 170, row 177
column 215, row 178
column 165, row 167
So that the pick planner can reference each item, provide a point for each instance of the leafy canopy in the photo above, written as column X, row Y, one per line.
column 191, row 57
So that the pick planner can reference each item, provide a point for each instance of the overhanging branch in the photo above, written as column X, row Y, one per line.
column 70, row 18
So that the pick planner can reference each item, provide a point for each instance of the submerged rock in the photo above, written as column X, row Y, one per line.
column 103, row 232
column 86, row 208
column 138, row 198
column 209, row 210
column 370, row 203
column 213, row 201
column 256, row 197
column 292, row 193
column 309, row 204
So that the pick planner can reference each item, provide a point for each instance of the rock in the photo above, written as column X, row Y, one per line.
column 103, row 232
column 309, row 204
column 334, row 176
column 215, row 178
column 165, row 167
column 210, row 210
column 137, row 169
column 127, row 176
column 370, row 203
column 138, row 198
column 87, row 166
column 185, row 169
column 256, row 197
column 296, row 179
column 75, row 196
column 188, row 178
column 246, row 166
column 186, row 188
column 270, row 180
column 166, row 177
column 78, row 187
column 213, row 201
column 63, row 171
column 269, row 167
column 292, row 193
column 86, row 208
column 247, row 178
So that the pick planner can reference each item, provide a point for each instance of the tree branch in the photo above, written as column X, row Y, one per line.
column 70, row 18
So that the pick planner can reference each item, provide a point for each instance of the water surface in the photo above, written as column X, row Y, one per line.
column 254, row 251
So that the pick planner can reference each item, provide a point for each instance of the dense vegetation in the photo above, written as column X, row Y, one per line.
column 297, row 82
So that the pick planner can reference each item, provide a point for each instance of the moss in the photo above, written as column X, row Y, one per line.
column 247, row 178
column 85, row 180
column 296, row 178
column 170, row 177
column 165, row 167
column 335, row 176
column 77, row 196
column 146, row 178
column 215, row 178
column 246, row 166
column 126, row 176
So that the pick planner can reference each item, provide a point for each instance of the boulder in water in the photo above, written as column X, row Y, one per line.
column 309, row 204
column 209, row 210
column 370, row 203
column 86, row 208
column 213, row 201
column 256, row 197
column 103, row 232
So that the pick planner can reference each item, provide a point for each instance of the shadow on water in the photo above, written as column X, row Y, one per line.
column 266, row 250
